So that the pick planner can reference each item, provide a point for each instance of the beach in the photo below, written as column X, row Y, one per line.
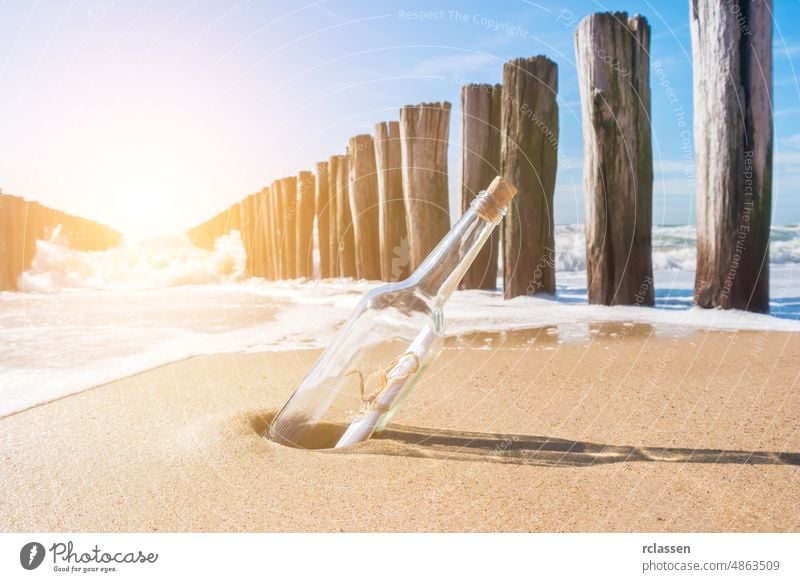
column 624, row 427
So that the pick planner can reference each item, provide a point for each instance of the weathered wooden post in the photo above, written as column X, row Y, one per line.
column 322, row 205
column 254, row 254
column 733, row 132
column 424, row 135
column 304, row 237
column 393, row 235
column 252, row 251
column 33, row 227
column 276, row 227
column 231, row 219
column 269, row 233
column 333, row 229
column 210, row 231
column 263, row 261
column 529, row 149
column 289, row 238
column 346, row 254
column 6, row 242
column 20, row 239
column 364, row 206
column 613, row 60
column 12, row 240
column 246, row 231
column 258, row 260
column 480, row 163
column 215, row 226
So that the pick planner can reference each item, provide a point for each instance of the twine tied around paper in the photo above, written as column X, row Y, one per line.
column 383, row 380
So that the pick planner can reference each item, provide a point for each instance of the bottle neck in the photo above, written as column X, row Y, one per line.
column 444, row 268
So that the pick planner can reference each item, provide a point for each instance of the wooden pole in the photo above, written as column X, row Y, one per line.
column 7, row 234
column 480, row 163
column 364, row 206
column 269, row 234
column 613, row 60
column 246, row 232
column 393, row 235
column 276, row 229
column 233, row 219
column 529, row 148
column 212, row 230
column 255, row 243
column 346, row 258
column 424, row 134
column 264, row 261
column 34, row 230
column 289, row 238
column 304, row 236
column 733, row 133
column 333, row 229
column 322, row 205
column 6, row 242
column 12, row 240
column 275, row 226
column 248, row 217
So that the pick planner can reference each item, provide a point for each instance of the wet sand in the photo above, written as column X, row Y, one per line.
column 615, row 428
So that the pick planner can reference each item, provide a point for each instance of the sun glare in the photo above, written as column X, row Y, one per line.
column 144, row 200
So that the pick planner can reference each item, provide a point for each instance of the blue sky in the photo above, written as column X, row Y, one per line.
column 152, row 116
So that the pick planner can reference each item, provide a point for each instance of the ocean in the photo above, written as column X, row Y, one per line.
column 86, row 318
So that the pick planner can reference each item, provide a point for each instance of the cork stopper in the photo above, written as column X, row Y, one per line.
column 491, row 204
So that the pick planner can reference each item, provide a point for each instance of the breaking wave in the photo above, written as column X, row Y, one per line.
column 673, row 247
column 152, row 263
column 170, row 261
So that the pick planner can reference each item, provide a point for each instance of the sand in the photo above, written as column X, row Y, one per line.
column 624, row 428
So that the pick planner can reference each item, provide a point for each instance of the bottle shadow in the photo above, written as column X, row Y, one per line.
column 520, row 449
column 547, row 451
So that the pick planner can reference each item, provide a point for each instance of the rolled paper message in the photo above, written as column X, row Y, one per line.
column 397, row 375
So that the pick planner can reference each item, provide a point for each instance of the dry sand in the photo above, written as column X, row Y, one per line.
column 635, row 429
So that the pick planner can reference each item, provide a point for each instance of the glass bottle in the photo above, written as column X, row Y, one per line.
column 395, row 331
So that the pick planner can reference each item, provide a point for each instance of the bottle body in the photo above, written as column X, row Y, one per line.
column 348, row 376
column 395, row 332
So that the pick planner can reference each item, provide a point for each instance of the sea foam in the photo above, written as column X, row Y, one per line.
column 150, row 263
column 87, row 318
